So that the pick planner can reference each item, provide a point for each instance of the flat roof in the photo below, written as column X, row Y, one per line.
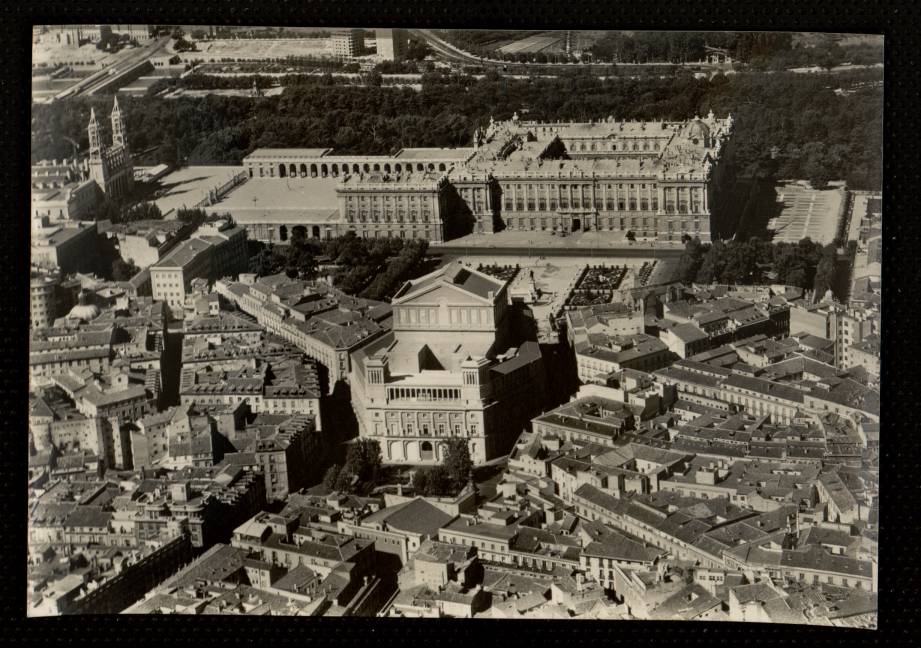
column 434, row 153
column 292, row 153
column 268, row 199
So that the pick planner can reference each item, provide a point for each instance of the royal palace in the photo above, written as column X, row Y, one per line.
column 657, row 179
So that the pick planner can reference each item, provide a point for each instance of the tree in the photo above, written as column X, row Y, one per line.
column 182, row 45
column 713, row 263
column 143, row 211
column 825, row 270
column 631, row 236
column 740, row 266
column 123, row 270
column 690, row 261
column 363, row 459
column 186, row 215
column 338, row 478
column 331, row 476
column 416, row 50
column 457, row 463
column 267, row 261
column 432, row 481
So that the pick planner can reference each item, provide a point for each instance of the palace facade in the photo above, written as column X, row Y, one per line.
column 447, row 370
column 657, row 179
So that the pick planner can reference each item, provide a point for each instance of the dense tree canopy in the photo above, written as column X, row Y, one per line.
column 361, row 471
column 458, row 462
column 787, row 125
column 432, row 481
column 806, row 264
column 449, row 478
column 142, row 211
column 372, row 268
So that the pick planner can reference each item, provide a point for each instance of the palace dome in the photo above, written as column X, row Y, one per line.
column 699, row 131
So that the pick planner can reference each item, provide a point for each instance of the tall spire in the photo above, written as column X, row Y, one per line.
column 93, row 131
column 119, row 136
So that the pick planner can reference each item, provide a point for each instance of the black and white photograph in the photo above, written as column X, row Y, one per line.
column 454, row 323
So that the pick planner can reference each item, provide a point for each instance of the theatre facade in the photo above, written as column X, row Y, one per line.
column 448, row 369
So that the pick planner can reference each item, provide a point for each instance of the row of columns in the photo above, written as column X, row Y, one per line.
column 335, row 169
column 415, row 451
column 528, row 196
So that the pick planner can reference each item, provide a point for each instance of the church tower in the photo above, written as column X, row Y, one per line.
column 95, row 140
column 97, row 163
column 119, row 136
column 110, row 165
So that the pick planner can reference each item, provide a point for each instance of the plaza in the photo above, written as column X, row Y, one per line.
column 188, row 187
column 556, row 277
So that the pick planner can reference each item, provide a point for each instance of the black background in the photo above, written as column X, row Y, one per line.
column 898, row 21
